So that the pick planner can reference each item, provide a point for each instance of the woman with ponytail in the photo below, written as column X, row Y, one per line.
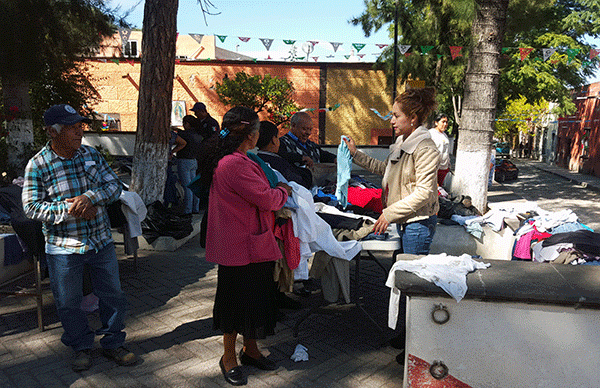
column 240, row 240
column 409, row 195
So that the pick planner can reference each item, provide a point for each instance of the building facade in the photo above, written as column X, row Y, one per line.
column 341, row 97
column 577, row 139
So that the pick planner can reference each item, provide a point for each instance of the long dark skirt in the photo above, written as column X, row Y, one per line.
column 245, row 300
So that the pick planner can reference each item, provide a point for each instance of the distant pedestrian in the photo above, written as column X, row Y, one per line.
column 187, row 162
column 206, row 124
column 176, row 143
column 439, row 137
column 68, row 187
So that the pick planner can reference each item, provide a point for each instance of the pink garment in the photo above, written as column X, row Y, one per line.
column 291, row 243
column 240, row 203
column 523, row 245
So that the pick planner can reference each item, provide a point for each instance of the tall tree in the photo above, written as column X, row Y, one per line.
column 479, row 107
column 155, row 99
column 42, row 46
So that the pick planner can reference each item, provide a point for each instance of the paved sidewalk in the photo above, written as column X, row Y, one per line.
column 170, row 328
column 587, row 181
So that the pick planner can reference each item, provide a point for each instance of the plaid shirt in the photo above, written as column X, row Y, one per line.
column 291, row 149
column 51, row 179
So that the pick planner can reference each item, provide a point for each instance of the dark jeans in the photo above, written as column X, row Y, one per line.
column 66, row 280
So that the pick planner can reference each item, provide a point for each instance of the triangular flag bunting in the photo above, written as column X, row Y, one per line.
column 287, row 41
column 505, row 49
column 381, row 46
column 102, row 60
column 124, row 33
column 331, row 56
column 386, row 117
column 176, row 61
column 314, row 42
column 455, row 51
column 426, row 49
column 131, row 62
column 243, row 39
column 594, row 53
column 571, row 53
column 358, row 46
column 269, row 57
column 315, row 58
column 197, row 37
column 254, row 60
column 347, row 56
column 266, row 42
column 585, row 64
column 299, row 58
column 222, row 38
column 525, row 51
column 115, row 61
column 439, row 56
column 403, row 48
column 547, row 53
column 335, row 45
column 361, row 55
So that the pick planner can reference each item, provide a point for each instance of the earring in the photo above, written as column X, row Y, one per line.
column 412, row 124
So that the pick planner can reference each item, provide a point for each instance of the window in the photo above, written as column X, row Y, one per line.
column 130, row 48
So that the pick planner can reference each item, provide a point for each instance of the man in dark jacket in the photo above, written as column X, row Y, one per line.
column 297, row 149
column 206, row 124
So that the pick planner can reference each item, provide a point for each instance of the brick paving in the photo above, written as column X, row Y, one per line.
column 170, row 328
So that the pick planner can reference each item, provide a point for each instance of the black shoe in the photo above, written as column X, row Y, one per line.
column 82, row 360
column 262, row 363
column 120, row 355
column 235, row 376
column 400, row 358
column 285, row 302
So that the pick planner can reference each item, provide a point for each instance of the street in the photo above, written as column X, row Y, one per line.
column 554, row 193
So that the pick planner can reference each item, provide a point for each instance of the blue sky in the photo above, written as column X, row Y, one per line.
column 308, row 20
column 324, row 21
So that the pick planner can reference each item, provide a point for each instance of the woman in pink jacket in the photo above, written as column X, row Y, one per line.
column 240, row 239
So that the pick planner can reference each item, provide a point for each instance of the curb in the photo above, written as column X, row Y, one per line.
column 586, row 185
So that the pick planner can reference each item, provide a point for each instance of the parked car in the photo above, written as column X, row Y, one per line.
column 505, row 170
column 502, row 150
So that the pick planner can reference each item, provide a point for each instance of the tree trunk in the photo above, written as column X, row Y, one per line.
column 20, row 129
column 159, row 33
column 479, row 105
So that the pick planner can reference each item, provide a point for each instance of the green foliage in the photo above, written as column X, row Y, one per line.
column 520, row 116
column 271, row 94
column 561, row 24
column 110, row 158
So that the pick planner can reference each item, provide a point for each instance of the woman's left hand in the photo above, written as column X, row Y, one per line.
column 381, row 225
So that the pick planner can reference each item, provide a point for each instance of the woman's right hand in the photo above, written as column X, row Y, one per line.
column 287, row 187
column 351, row 145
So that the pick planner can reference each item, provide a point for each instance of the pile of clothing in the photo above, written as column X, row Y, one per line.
column 556, row 237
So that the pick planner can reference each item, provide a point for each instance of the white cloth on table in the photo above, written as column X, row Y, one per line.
column 447, row 272
column 315, row 234
column 495, row 217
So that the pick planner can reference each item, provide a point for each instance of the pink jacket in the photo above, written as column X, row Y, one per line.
column 238, row 189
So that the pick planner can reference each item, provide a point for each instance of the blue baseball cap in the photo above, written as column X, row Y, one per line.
column 63, row 114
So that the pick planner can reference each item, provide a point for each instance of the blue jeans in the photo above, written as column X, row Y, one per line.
column 66, row 280
column 186, row 169
column 170, row 194
column 417, row 236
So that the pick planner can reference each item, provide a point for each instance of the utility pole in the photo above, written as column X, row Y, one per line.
column 395, row 80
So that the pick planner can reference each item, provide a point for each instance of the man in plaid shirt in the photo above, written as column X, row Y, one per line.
column 67, row 187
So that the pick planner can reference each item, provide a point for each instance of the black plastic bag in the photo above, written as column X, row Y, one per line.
column 161, row 221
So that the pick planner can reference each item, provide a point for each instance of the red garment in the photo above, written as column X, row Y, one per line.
column 367, row 198
column 291, row 243
column 442, row 175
